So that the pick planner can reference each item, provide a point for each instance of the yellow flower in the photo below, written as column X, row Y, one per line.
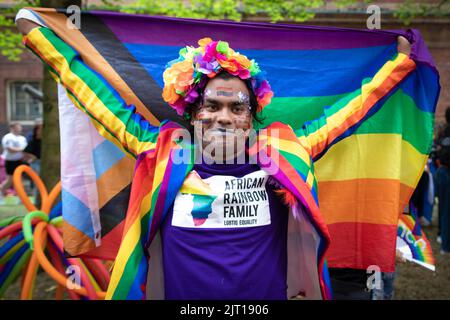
column 204, row 41
column 171, row 74
column 242, row 60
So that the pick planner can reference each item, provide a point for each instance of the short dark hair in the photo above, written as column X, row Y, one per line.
column 192, row 108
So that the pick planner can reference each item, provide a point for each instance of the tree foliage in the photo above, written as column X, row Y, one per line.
column 10, row 39
column 275, row 10
column 410, row 10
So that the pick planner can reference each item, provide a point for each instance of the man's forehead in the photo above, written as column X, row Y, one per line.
column 226, row 84
column 226, row 94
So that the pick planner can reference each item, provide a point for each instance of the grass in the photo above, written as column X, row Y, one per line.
column 10, row 210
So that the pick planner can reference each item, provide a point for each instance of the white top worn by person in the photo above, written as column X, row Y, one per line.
column 13, row 146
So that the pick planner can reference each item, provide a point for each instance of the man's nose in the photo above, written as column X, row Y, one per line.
column 224, row 117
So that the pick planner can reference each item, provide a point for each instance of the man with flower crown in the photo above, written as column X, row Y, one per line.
column 218, row 211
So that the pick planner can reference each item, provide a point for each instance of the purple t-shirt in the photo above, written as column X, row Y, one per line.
column 225, row 236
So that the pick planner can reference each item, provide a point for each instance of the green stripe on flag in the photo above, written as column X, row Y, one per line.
column 400, row 115
column 304, row 109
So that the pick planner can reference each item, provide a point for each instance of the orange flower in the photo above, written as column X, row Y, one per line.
column 184, row 80
column 169, row 95
column 172, row 74
column 228, row 65
column 242, row 60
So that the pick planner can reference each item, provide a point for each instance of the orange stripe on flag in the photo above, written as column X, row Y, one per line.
column 360, row 200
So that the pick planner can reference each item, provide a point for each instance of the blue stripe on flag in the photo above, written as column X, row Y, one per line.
column 82, row 219
column 291, row 73
column 106, row 154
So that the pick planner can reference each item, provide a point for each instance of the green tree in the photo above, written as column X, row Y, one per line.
column 275, row 10
column 410, row 10
column 10, row 39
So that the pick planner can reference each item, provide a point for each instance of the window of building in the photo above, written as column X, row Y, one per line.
column 24, row 104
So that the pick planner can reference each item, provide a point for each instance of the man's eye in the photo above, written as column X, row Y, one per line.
column 238, row 109
column 211, row 107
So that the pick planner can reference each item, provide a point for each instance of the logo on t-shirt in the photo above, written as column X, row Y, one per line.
column 222, row 202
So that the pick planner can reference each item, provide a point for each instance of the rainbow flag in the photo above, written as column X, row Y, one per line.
column 412, row 241
column 365, row 178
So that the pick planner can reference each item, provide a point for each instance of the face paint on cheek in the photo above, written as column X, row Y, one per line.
column 243, row 121
column 203, row 118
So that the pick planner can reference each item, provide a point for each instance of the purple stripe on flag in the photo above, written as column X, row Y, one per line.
column 242, row 35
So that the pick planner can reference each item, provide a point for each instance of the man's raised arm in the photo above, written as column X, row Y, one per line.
column 338, row 119
column 89, row 91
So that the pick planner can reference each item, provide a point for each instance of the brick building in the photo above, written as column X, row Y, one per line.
column 16, row 105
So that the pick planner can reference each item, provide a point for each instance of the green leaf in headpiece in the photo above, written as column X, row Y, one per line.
column 254, row 68
column 222, row 47
column 183, row 51
column 197, row 76
column 181, row 93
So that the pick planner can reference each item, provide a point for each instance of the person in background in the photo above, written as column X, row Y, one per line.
column 13, row 145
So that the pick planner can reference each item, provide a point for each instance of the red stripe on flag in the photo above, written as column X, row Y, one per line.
column 360, row 245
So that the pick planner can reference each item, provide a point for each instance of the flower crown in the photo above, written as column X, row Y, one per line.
column 186, row 77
